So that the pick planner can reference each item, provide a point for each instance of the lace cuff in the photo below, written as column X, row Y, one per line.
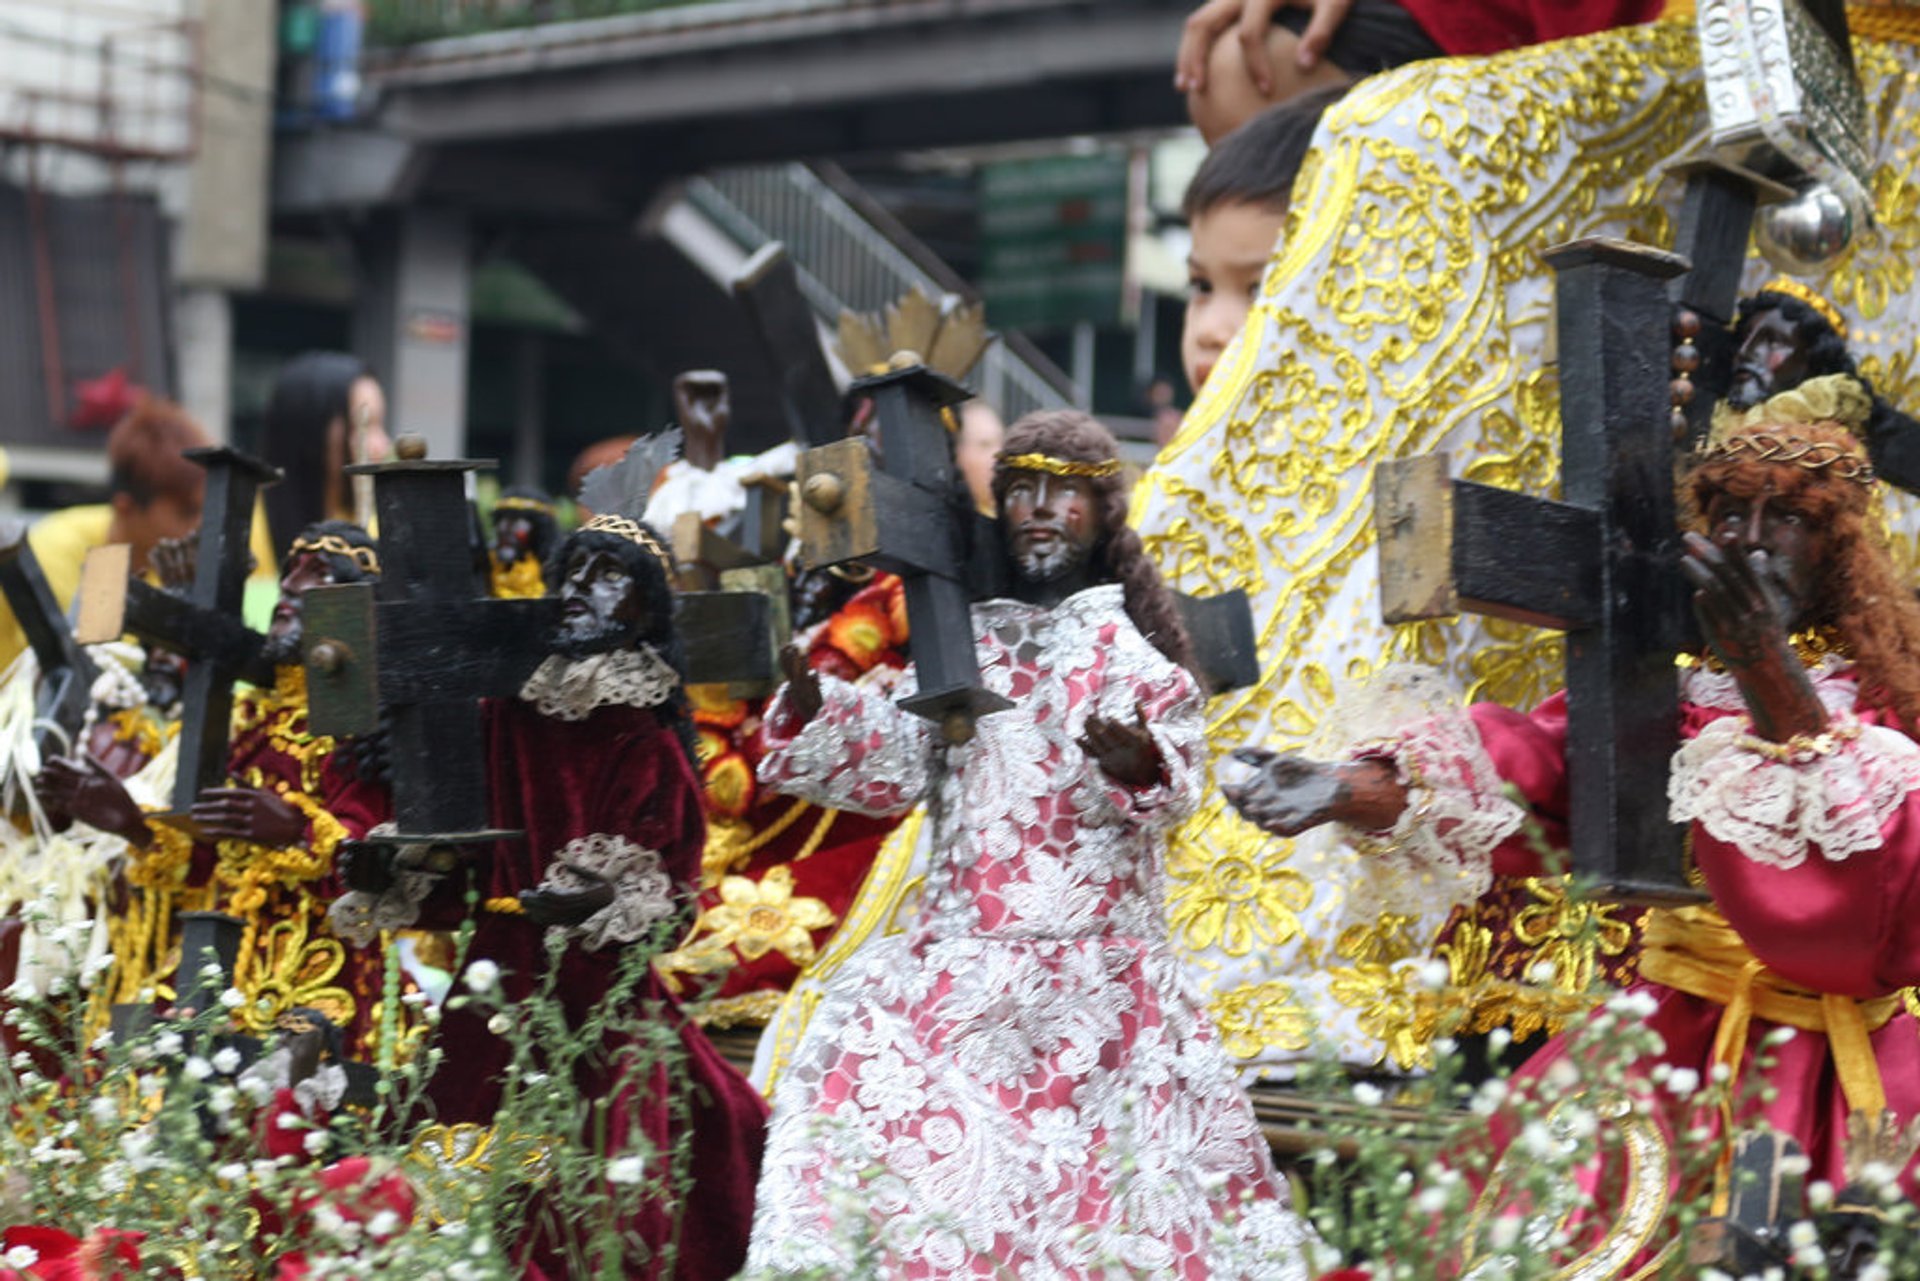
column 359, row 917
column 860, row 753
column 1458, row 812
column 642, row 890
column 1772, row 802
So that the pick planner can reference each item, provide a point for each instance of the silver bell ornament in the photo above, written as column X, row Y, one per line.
column 1807, row 235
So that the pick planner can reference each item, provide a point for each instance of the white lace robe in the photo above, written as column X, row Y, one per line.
column 1022, row 1084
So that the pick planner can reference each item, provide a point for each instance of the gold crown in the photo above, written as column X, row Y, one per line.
column 944, row 334
column 1058, row 466
column 634, row 532
column 1794, row 289
column 365, row 557
column 517, row 504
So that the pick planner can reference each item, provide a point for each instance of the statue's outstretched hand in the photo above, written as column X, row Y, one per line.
column 553, row 906
column 87, row 790
column 249, row 814
column 1126, row 752
column 803, row 684
column 1288, row 794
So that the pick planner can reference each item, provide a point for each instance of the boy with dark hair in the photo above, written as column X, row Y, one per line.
column 1236, row 206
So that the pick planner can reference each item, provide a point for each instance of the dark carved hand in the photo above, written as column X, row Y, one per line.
column 248, row 814
column 1287, row 794
column 1744, row 617
column 803, row 684
column 172, row 560
column 568, row 907
column 304, row 1051
column 88, row 791
column 1126, row 752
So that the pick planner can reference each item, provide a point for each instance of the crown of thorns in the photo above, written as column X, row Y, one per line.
column 634, row 532
column 1772, row 446
column 1059, row 466
column 334, row 545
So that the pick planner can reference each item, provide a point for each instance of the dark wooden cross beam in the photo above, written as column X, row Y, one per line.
column 422, row 645
column 66, row 672
column 204, row 625
column 909, row 514
column 768, row 290
column 1602, row 565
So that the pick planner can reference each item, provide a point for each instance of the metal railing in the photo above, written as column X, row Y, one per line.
column 851, row 255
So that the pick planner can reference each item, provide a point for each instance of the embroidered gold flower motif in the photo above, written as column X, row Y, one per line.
column 1258, row 1015
column 285, row 969
column 757, row 917
column 1238, row 895
column 1385, row 1009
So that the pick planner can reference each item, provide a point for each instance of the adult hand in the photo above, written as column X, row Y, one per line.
column 803, row 685
column 87, row 790
column 249, row 814
column 1251, row 21
column 1126, row 752
column 1744, row 615
column 550, row 906
column 1288, row 794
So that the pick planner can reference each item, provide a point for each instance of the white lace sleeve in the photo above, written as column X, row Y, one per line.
column 642, row 891
column 862, row 753
column 1773, row 806
column 1458, row 811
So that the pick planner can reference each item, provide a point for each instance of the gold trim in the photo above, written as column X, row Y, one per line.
column 365, row 557
column 1802, row 293
column 523, row 505
column 634, row 532
column 1059, row 466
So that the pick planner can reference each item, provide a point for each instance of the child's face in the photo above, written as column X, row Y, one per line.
column 1231, row 246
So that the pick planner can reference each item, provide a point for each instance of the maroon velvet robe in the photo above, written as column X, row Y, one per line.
column 619, row 771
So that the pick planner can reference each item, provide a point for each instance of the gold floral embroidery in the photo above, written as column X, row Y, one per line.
column 1257, row 1015
column 288, row 968
column 1382, row 999
column 753, row 918
column 1243, row 895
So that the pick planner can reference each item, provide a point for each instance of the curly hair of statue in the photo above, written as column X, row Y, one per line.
column 1860, row 592
column 1072, row 439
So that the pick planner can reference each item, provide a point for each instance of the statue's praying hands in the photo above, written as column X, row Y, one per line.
column 1287, row 794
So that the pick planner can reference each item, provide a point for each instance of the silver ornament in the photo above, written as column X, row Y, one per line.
column 1807, row 235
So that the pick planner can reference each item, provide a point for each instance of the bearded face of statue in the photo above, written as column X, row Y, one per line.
column 305, row 570
column 1052, row 525
column 1771, row 358
column 601, row 607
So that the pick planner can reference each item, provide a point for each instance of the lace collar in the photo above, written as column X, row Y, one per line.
column 571, row 689
column 1832, row 675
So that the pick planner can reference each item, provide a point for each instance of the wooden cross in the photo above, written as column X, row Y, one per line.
column 768, row 290
column 66, row 672
column 204, row 625
column 423, row 646
column 1601, row 565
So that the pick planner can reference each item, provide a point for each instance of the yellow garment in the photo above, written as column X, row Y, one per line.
column 60, row 542
column 1694, row 950
column 519, row 581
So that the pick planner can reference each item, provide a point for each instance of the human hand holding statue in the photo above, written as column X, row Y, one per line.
column 84, row 789
column 1287, row 794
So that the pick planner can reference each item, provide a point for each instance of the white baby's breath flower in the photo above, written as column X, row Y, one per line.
column 1819, row 1195
column 1563, row 1075
column 1435, row 975
column 626, row 1169
column 226, row 1060
column 103, row 1110
column 167, row 1044
column 1367, row 1094
column 20, row 1257
column 231, row 1172
column 499, row 1025
column 1504, row 1231
column 383, row 1224
column 1683, row 1082
column 482, row 975
column 1430, row 1200
column 316, row 1142
column 197, row 1068
column 232, row 999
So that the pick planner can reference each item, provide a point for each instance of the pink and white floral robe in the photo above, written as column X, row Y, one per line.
column 1022, row 1083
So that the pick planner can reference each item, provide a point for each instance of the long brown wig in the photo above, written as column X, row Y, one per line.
column 1860, row 593
column 1072, row 436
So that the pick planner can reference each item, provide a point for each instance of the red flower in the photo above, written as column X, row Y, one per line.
column 107, row 1254
column 1347, row 1274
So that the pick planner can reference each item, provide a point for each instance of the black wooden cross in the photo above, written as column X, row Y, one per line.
column 1601, row 565
column 204, row 625
column 66, row 672
column 423, row 646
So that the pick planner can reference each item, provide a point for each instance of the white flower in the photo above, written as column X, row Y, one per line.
column 1802, row 1234
column 167, row 1044
column 383, row 1224
column 231, row 1172
column 1430, row 1200
column 626, row 1169
column 1504, row 1231
column 226, row 1060
column 1878, row 1174
column 1435, row 975
column 315, row 1143
column 1819, row 1194
column 103, row 1110
column 1538, row 1140
column 233, row 998
column 1683, row 1082
column 21, row 1257
column 1563, row 1075
column 499, row 1025
column 1633, row 1005
column 197, row 1068
column 482, row 975
column 1780, row 1036
column 1368, row 1094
